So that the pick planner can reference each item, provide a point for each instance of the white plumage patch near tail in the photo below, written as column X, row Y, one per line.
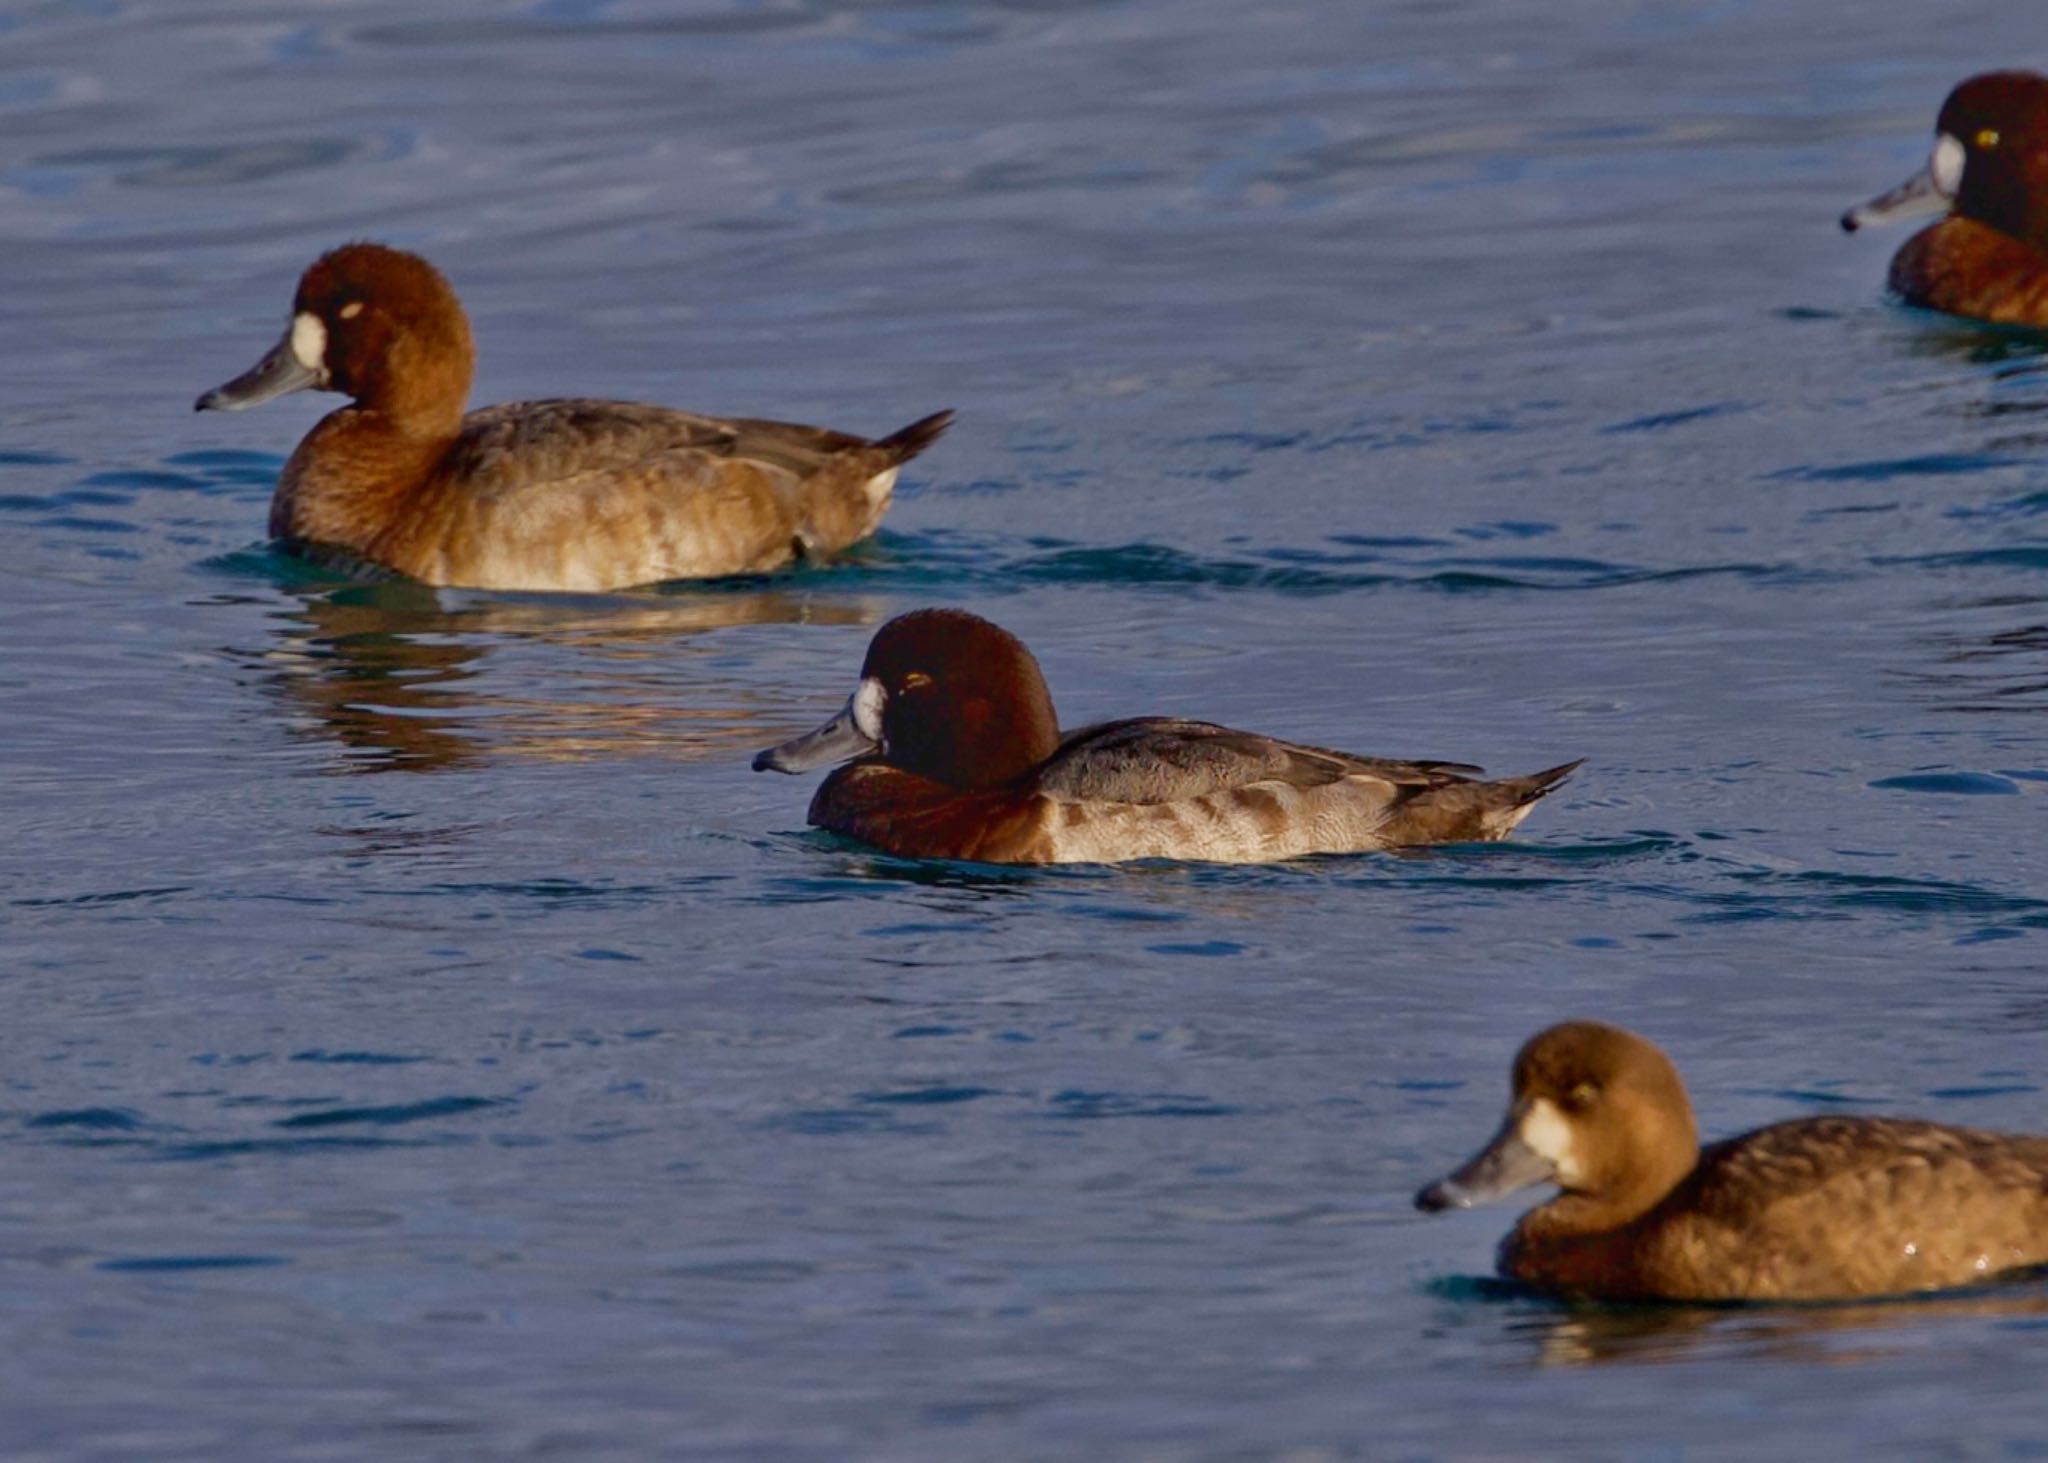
column 1500, row 824
column 881, row 486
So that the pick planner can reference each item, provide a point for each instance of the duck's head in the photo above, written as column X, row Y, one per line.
column 374, row 323
column 1598, row 1111
column 943, row 694
column 1989, row 163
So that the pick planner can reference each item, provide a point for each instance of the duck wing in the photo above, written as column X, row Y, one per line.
column 1157, row 759
column 520, row 445
column 1796, row 1159
column 577, row 494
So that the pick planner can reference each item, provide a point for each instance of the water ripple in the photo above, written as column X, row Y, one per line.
column 393, row 1115
column 1935, row 464
column 934, row 561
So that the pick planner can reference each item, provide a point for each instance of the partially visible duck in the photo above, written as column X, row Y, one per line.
column 955, row 753
column 1822, row 1208
column 1988, row 174
column 560, row 494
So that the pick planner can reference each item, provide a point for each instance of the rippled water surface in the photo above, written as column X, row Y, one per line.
column 424, row 1037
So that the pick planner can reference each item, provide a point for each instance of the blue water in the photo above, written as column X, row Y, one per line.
column 423, row 1035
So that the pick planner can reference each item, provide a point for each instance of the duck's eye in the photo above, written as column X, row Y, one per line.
column 916, row 680
column 1582, row 1096
column 1988, row 138
column 349, row 311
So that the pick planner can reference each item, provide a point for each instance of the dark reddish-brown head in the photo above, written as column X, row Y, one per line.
column 2000, row 121
column 1989, row 163
column 943, row 694
column 376, row 324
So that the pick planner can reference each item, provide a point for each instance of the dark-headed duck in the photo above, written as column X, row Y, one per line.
column 562, row 495
column 1826, row 1208
column 956, row 754
column 1988, row 257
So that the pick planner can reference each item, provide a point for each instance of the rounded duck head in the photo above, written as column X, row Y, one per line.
column 944, row 695
column 2000, row 119
column 392, row 322
column 963, row 701
column 1598, row 1111
column 1989, row 163
column 377, row 324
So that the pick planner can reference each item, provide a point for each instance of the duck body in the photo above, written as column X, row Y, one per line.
column 1813, row 1208
column 1987, row 259
column 570, row 494
column 584, row 495
column 1962, row 267
column 1163, row 788
column 1826, row 1208
column 956, row 754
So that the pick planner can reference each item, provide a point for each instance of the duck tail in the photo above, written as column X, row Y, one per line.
column 900, row 446
column 1517, row 795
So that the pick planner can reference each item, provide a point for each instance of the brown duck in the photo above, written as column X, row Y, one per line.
column 1821, row 1208
column 561, row 495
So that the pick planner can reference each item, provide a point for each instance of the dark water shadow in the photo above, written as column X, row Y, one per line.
column 940, row 563
column 1972, row 342
column 1998, row 671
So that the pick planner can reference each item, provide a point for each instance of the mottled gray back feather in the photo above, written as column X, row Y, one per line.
column 1157, row 759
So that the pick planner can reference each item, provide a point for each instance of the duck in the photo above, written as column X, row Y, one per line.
column 1987, row 257
column 569, row 494
column 1811, row 1209
column 952, row 751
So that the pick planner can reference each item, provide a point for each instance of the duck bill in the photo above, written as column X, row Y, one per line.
column 279, row 373
column 838, row 740
column 1504, row 1166
column 1920, row 196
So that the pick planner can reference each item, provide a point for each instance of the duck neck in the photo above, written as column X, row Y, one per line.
column 1579, row 1213
column 421, row 392
column 2013, row 200
column 348, row 480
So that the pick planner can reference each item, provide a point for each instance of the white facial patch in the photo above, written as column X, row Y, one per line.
column 309, row 341
column 1946, row 166
column 868, row 701
column 1545, row 1132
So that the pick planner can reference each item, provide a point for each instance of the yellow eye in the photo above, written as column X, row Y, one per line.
column 1583, row 1094
column 1988, row 138
column 352, row 309
column 916, row 679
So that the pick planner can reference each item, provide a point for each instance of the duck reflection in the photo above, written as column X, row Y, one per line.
column 2015, row 349
column 1563, row 1335
column 408, row 678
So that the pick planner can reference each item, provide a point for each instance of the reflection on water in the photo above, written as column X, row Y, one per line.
column 396, row 673
column 1829, row 1335
column 1993, row 671
column 2016, row 348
